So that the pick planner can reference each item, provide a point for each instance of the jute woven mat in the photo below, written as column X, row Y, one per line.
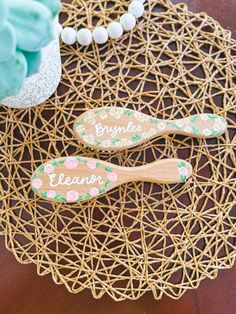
column 141, row 236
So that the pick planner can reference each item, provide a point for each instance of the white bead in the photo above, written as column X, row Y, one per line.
column 136, row 8
column 128, row 21
column 84, row 37
column 68, row 36
column 142, row 1
column 100, row 35
column 115, row 30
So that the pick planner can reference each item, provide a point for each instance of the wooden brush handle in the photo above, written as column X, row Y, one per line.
column 115, row 129
column 74, row 179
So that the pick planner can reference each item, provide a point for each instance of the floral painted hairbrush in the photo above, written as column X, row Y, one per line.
column 113, row 129
column 75, row 179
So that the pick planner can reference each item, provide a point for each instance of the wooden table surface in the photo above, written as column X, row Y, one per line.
column 23, row 292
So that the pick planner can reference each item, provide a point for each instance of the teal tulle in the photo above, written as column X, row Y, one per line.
column 25, row 28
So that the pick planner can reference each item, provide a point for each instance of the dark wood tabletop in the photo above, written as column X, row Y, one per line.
column 23, row 291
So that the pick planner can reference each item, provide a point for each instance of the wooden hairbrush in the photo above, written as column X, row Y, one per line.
column 75, row 179
column 113, row 129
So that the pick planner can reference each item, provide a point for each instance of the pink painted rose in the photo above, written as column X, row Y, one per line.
column 183, row 171
column 112, row 176
column 94, row 192
column 92, row 164
column 72, row 196
column 51, row 194
column 49, row 168
column 37, row 183
column 71, row 163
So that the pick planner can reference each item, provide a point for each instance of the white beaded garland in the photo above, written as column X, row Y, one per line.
column 84, row 37
column 100, row 35
column 128, row 21
column 136, row 8
column 68, row 36
column 115, row 30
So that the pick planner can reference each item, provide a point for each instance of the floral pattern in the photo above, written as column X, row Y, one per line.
column 94, row 192
column 37, row 183
column 183, row 171
column 188, row 129
column 103, row 115
column 141, row 117
column 117, row 113
column 51, row 194
column 187, row 125
column 71, row 163
column 72, row 196
column 206, row 132
column 161, row 126
column 49, row 168
column 90, row 118
column 112, row 176
column 92, row 164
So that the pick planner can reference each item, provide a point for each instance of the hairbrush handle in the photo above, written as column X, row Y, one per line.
column 74, row 179
column 113, row 129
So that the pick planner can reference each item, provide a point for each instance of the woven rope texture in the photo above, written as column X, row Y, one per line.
column 139, row 237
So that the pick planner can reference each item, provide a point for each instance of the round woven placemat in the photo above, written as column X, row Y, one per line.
column 140, row 237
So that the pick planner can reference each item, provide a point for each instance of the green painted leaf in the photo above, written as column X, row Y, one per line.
column 62, row 160
column 98, row 142
column 194, row 118
column 44, row 194
column 108, row 169
column 213, row 132
column 63, row 200
column 57, row 197
column 101, row 191
column 173, row 125
column 153, row 121
column 181, row 164
column 41, row 169
column 128, row 112
column 107, row 184
column 54, row 163
column 34, row 176
column 212, row 116
column 80, row 199
column 183, row 178
column 223, row 120
column 136, row 138
column 88, row 195
column 196, row 131
column 115, row 140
